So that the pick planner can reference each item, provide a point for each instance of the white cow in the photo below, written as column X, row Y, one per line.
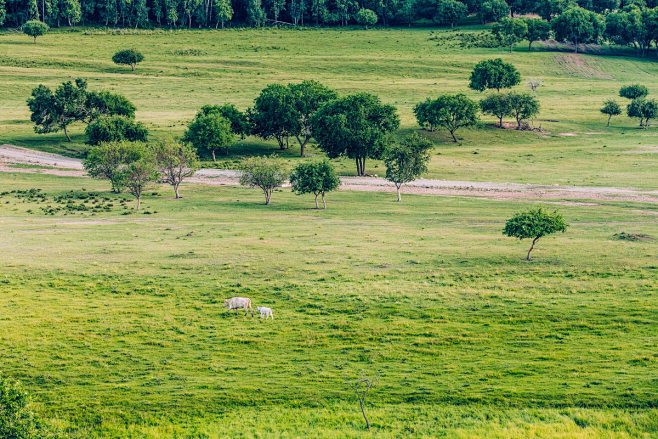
column 265, row 311
column 237, row 303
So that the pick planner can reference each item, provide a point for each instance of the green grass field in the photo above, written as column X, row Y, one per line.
column 115, row 322
column 402, row 66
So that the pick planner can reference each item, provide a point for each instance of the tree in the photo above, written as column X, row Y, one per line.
column 494, row 74
column 578, row 26
column 493, row 10
column 523, row 106
column 129, row 57
column 366, row 17
column 453, row 112
column 139, row 174
column 534, row 224
column 635, row 91
column 643, row 109
column 72, row 11
column 255, row 13
column 274, row 114
column 356, row 126
column 210, row 132
column 52, row 112
column 538, row 30
column 449, row 12
column 308, row 96
column 175, row 161
column 497, row 105
column 223, row 11
column 510, row 31
column 611, row 108
column 361, row 387
column 534, row 84
column 114, row 129
column 314, row 178
column 407, row 161
column 239, row 121
column 106, row 161
column 35, row 28
column 104, row 103
column 266, row 173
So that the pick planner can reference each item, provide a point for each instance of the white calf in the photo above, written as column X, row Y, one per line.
column 237, row 303
column 265, row 311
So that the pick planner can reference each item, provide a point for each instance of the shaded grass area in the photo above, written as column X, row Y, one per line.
column 184, row 70
column 115, row 322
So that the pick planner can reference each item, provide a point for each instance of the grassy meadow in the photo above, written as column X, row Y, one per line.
column 184, row 70
column 115, row 324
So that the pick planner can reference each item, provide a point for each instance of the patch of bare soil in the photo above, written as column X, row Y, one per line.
column 524, row 127
column 577, row 65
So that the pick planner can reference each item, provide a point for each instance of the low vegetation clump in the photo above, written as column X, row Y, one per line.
column 67, row 203
column 623, row 236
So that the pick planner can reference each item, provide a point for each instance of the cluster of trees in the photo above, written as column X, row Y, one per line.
column 109, row 116
column 456, row 111
column 639, row 107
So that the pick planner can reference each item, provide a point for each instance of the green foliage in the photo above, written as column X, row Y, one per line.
column 356, row 126
column 239, row 121
column 175, row 161
column 578, row 26
column 449, row 12
column 308, row 96
column 493, row 10
column 448, row 111
column 107, row 160
column 315, row 178
column 366, row 17
column 537, row 30
column 72, row 11
column 611, row 108
column 52, row 112
column 115, row 129
column 407, row 161
column 137, row 175
column 494, row 74
column 35, row 28
column 633, row 26
column 266, row 173
column 534, row 224
column 643, row 109
column 510, row 30
column 210, row 132
column 130, row 57
column 498, row 105
column 223, row 11
column 523, row 106
column 17, row 418
column 635, row 91
column 105, row 103
column 274, row 115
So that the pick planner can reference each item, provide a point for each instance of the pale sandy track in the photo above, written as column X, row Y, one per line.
column 60, row 165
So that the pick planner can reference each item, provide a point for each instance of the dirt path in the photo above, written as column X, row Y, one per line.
column 59, row 165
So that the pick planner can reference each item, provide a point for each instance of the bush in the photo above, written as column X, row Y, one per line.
column 35, row 28
column 17, row 419
column 130, row 57
column 114, row 129
column 449, row 12
column 366, row 17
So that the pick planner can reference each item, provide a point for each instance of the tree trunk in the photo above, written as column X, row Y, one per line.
column 510, row 47
column 500, row 121
column 364, row 414
column 139, row 201
column 176, row 191
column 398, row 187
column 531, row 247
column 268, row 194
column 452, row 133
column 529, row 46
column 35, row 40
column 609, row 117
column 132, row 66
column 324, row 203
column 316, row 201
column 213, row 155
column 66, row 133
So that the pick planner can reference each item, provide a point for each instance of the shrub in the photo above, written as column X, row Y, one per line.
column 494, row 74
column 114, row 129
column 366, row 17
column 210, row 132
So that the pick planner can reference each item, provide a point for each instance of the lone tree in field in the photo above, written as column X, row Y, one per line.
column 635, row 91
column 128, row 57
column 578, row 26
column 366, row 17
column 266, row 173
column 139, row 174
column 523, row 106
column 356, row 126
column 611, row 108
column 35, row 28
column 643, row 109
column 175, row 162
column 407, row 161
column 107, row 160
column 452, row 112
column 274, row 115
column 114, row 129
column 52, row 112
column 494, row 74
column 497, row 105
column 210, row 132
column 308, row 96
column 534, row 224
column 314, row 178
column 510, row 31
column 361, row 386
column 538, row 30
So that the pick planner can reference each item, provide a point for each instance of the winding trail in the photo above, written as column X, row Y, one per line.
column 59, row 165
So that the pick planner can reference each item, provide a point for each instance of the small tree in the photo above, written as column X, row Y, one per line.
column 104, row 103
column 239, row 121
column 510, row 31
column 223, row 12
column 274, row 114
column 366, row 17
column 493, row 10
column 52, row 112
column 453, row 112
column 643, row 109
column 175, row 162
column 497, row 105
column 308, row 96
column 449, row 12
column 611, row 108
column 361, row 386
column 114, row 129
column 314, row 178
column 578, row 26
column 523, row 106
column 534, row 84
column 106, row 161
column 137, row 175
column 494, row 74
column 129, row 57
column 35, row 28
column 538, row 30
column 407, row 161
column 534, row 224
column 635, row 91
column 210, row 132
column 266, row 173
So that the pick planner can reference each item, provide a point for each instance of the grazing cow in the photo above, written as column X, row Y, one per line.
column 237, row 303
column 265, row 311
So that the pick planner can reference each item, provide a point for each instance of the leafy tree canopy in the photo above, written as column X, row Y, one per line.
column 315, row 178
column 130, row 57
column 407, row 161
column 210, row 132
column 494, row 74
column 115, row 129
column 35, row 28
column 534, row 224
